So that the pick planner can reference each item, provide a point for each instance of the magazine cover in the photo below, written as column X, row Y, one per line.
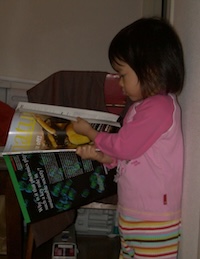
column 47, row 175
column 41, row 127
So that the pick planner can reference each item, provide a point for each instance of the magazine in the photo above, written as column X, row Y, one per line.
column 47, row 174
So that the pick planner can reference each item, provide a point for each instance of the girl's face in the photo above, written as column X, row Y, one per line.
column 128, row 80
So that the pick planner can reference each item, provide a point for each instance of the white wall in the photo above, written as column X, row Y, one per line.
column 40, row 37
column 187, row 20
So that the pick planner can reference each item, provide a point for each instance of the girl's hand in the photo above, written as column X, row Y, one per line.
column 87, row 152
column 90, row 152
column 83, row 127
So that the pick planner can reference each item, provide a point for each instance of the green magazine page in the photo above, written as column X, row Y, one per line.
column 51, row 182
column 17, row 189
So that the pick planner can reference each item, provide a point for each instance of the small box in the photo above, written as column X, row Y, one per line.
column 96, row 222
column 64, row 245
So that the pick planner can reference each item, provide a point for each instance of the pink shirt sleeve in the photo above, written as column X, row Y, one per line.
column 152, row 118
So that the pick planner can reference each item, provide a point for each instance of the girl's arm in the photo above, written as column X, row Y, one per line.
column 145, row 125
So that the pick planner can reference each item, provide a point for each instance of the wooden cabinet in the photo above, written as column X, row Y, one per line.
column 14, row 222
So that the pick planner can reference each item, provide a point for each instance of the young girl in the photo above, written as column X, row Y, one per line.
column 148, row 149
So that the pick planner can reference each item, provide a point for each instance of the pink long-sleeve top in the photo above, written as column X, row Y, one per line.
column 148, row 151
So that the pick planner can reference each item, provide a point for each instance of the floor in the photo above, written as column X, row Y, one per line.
column 89, row 247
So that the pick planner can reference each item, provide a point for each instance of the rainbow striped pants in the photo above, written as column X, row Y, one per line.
column 148, row 239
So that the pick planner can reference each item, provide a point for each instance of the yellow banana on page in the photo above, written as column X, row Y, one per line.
column 44, row 125
column 74, row 138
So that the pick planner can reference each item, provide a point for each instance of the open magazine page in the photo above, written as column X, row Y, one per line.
column 48, row 183
column 69, row 113
column 33, row 131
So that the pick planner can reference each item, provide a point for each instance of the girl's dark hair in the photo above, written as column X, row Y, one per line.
column 152, row 48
